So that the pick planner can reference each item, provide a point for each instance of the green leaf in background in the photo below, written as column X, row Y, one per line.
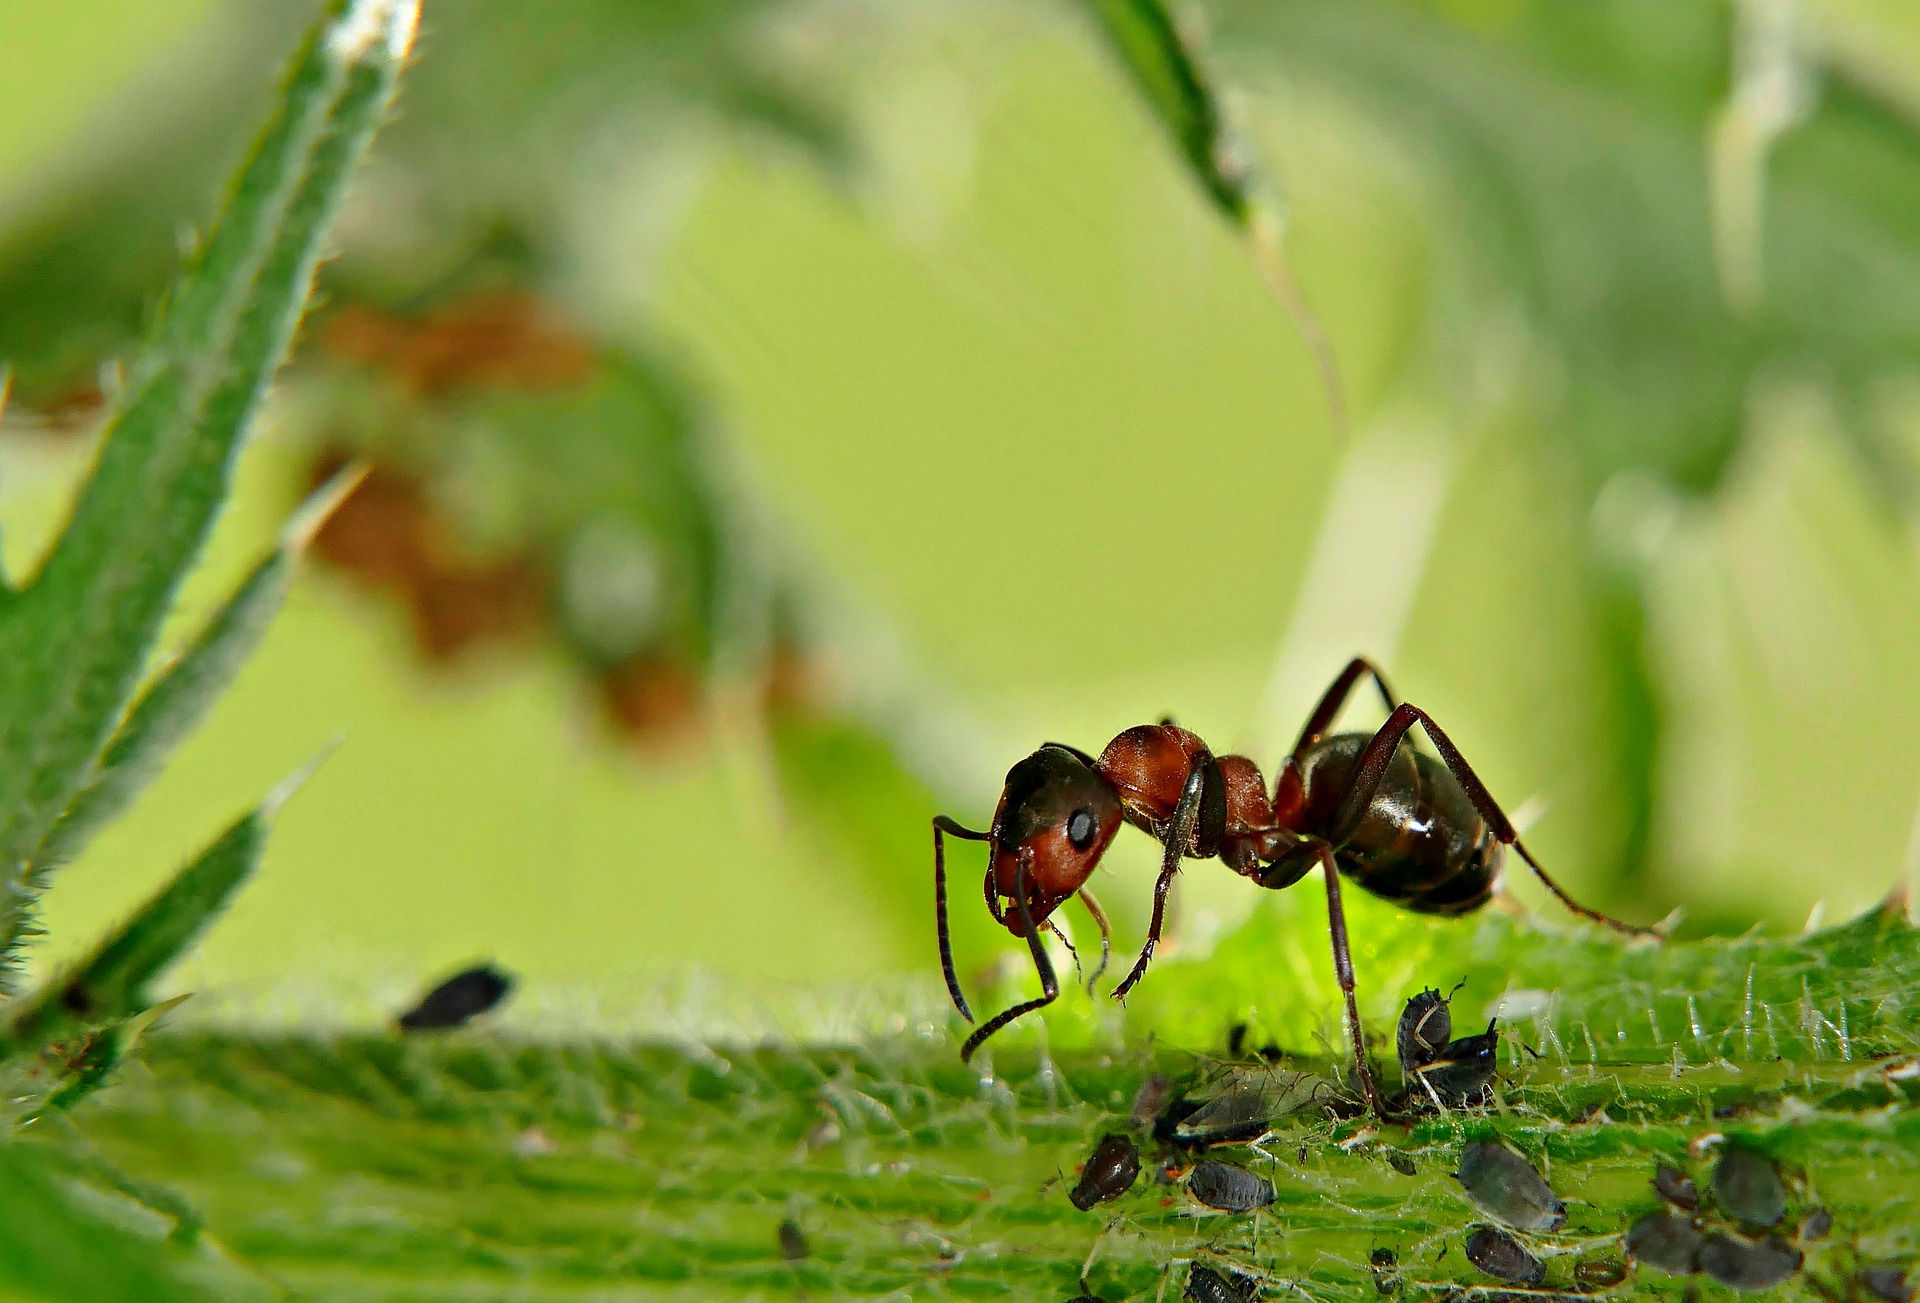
column 1564, row 153
column 114, row 981
column 175, row 702
column 1192, row 110
column 76, row 642
column 1149, row 43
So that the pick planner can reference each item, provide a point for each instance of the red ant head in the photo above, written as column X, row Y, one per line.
column 1056, row 815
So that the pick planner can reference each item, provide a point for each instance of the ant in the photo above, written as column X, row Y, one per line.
column 1410, row 828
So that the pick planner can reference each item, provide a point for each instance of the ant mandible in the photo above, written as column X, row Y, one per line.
column 1420, row 831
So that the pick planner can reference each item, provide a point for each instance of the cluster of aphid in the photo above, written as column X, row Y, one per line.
column 1182, row 1128
column 1242, row 1112
column 1243, row 1106
column 1438, row 1070
column 1732, row 1241
column 1734, row 1237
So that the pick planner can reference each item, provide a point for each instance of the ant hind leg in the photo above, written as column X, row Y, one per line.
column 1336, row 696
column 1371, row 767
column 1343, row 972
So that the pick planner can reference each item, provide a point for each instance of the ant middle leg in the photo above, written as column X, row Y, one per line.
column 1284, row 872
column 1072, row 954
column 1371, row 768
column 1092, row 903
column 1049, row 985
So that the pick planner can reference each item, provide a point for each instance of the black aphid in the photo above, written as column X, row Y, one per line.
column 1086, row 1298
column 1666, row 1243
column 1504, row 1185
column 1599, row 1273
column 1814, row 1226
column 1400, row 1163
column 1502, row 1257
column 1229, row 1188
column 1236, row 1040
column 1205, row 1285
column 1676, row 1187
column 1176, row 1108
column 793, row 1241
column 1385, row 1278
column 1426, row 1025
column 1748, row 1188
column 460, row 997
column 1749, row 1264
column 1109, row 1172
column 1462, row 1073
column 1889, row 1283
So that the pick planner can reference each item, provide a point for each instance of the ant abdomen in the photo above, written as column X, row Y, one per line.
column 1420, row 842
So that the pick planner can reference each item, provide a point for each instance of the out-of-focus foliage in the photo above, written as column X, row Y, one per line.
column 1568, row 156
column 505, row 124
column 1547, row 283
column 543, row 475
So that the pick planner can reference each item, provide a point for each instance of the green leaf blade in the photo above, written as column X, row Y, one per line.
column 113, row 982
column 1144, row 36
column 176, row 701
column 1191, row 107
column 78, row 639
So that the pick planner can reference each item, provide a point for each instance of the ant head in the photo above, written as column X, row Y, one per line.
column 1056, row 816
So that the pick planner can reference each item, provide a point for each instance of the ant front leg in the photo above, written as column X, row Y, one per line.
column 1205, row 787
column 942, row 824
column 1072, row 954
column 1049, row 986
column 1092, row 903
column 1371, row 768
column 1284, row 872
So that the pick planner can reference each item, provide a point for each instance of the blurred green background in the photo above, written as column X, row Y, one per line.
column 919, row 371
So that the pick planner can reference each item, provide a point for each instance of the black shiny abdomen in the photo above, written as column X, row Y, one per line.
column 1421, row 843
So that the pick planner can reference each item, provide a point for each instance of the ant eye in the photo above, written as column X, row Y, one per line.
column 1080, row 829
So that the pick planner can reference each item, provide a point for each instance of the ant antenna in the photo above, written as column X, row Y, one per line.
column 943, row 824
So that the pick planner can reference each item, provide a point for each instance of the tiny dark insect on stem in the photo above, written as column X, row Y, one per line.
column 1419, row 830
